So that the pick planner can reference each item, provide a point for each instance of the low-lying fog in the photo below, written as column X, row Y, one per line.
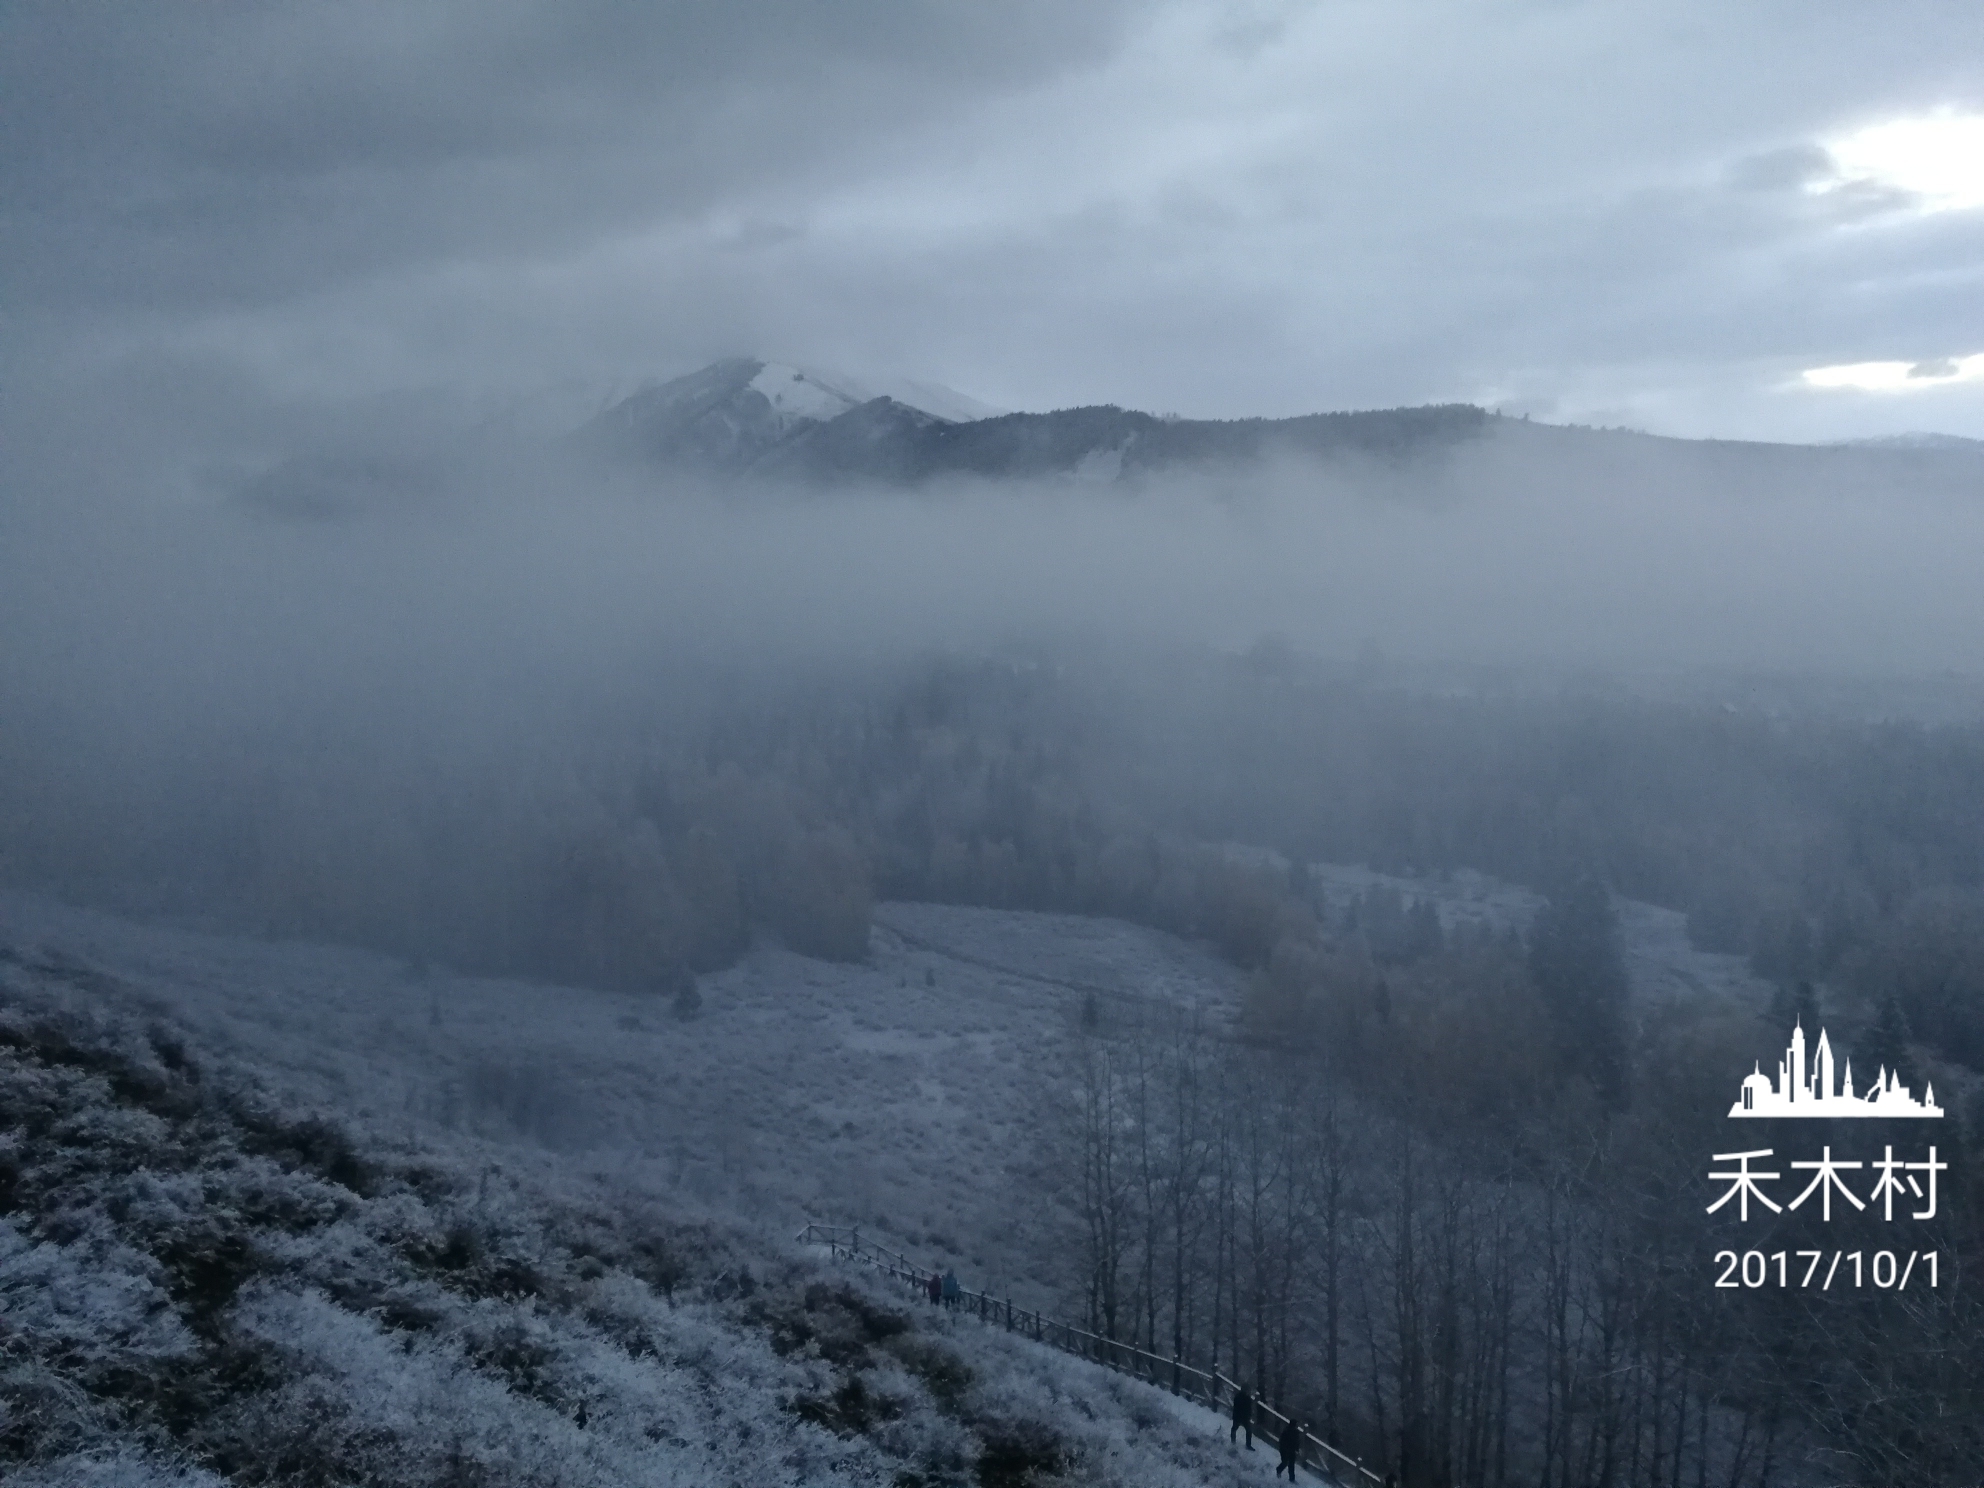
column 519, row 572
column 519, row 614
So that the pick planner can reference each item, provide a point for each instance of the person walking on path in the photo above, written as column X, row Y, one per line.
column 1243, row 1416
column 935, row 1287
column 951, row 1289
column 1291, row 1449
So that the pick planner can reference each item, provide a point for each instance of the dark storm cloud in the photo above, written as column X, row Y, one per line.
column 193, row 154
column 1616, row 212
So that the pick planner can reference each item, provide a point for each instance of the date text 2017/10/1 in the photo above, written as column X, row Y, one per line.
column 1884, row 1269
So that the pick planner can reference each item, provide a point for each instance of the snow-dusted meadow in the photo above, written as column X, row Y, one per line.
column 911, row 1095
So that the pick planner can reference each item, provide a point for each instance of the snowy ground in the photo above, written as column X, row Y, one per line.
column 1464, row 898
column 1661, row 965
column 1665, row 967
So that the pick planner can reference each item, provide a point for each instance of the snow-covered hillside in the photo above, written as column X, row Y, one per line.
column 204, row 1279
column 286, row 1209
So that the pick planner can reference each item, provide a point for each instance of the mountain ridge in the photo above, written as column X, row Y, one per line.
column 745, row 420
column 745, row 417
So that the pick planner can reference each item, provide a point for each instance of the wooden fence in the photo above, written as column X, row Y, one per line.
column 1207, row 1386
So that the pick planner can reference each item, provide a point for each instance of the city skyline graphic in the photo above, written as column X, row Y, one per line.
column 1800, row 1091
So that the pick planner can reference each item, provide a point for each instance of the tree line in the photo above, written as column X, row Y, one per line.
column 1475, row 1260
column 642, row 842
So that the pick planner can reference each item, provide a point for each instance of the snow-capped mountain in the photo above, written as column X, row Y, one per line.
column 745, row 416
column 734, row 413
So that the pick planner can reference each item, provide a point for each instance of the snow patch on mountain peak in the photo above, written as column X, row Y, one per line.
column 810, row 393
column 797, row 394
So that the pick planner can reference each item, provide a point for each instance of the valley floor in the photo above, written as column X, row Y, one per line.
column 912, row 1095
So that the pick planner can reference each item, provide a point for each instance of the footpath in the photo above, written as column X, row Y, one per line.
column 1206, row 1387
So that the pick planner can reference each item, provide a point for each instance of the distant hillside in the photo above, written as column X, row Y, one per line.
column 1917, row 441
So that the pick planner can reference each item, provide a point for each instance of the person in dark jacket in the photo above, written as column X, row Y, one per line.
column 1243, row 1416
column 1291, row 1449
column 935, row 1287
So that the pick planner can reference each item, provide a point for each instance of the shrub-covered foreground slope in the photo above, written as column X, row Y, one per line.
column 198, row 1284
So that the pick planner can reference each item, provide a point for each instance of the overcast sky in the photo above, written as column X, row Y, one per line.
column 1664, row 214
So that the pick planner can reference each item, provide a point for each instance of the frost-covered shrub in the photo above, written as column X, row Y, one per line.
column 114, row 1467
column 852, row 1408
column 1016, row 1454
column 833, row 1323
column 946, row 1376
